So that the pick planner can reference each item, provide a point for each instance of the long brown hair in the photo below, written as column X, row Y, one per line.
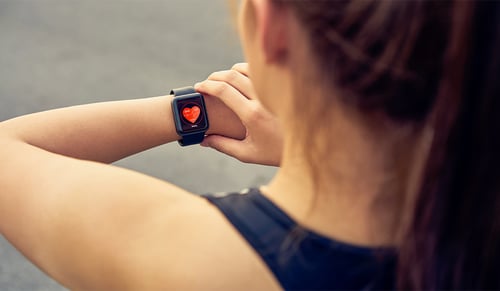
column 454, row 240
column 435, row 63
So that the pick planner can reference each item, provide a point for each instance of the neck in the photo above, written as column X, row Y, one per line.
column 354, row 191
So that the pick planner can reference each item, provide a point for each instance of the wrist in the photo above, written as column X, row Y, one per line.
column 223, row 121
column 191, row 113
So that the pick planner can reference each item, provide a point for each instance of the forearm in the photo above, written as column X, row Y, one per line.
column 109, row 131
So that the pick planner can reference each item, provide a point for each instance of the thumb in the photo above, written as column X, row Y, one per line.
column 226, row 145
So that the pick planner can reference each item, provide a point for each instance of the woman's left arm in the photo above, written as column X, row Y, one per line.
column 91, row 225
column 109, row 131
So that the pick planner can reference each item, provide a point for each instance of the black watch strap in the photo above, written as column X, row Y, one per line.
column 182, row 91
column 194, row 138
column 191, row 139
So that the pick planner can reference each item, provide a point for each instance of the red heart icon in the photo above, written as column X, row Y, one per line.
column 191, row 114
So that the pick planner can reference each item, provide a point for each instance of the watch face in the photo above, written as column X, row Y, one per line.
column 191, row 115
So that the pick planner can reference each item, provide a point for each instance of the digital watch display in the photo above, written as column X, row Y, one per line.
column 190, row 115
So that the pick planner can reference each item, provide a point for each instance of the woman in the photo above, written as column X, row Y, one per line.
column 382, row 116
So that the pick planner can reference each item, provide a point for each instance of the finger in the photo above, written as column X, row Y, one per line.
column 243, row 68
column 228, row 146
column 227, row 94
column 237, row 80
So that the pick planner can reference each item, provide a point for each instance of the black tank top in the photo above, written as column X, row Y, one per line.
column 299, row 258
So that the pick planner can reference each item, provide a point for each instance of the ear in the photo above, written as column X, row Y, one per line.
column 272, row 28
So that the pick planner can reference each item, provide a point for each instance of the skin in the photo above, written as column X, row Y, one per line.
column 94, row 226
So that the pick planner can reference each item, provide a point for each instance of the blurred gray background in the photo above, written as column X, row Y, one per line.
column 56, row 53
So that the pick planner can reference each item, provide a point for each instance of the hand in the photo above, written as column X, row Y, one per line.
column 263, row 142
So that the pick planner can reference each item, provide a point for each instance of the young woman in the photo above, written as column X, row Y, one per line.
column 382, row 115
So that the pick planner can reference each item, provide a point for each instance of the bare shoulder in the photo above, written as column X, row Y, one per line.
column 177, row 241
column 154, row 235
column 189, row 246
column 206, row 252
column 95, row 226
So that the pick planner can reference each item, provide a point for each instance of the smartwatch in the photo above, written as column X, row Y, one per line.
column 190, row 115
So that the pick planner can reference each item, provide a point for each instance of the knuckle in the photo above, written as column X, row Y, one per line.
column 231, row 76
column 220, row 88
column 241, row 68
column 203, row 84
column 213, row 76
column 238, row 66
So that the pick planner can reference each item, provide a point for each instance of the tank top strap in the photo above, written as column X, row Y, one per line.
column 299, row 258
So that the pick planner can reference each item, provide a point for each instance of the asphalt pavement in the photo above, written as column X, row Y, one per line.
column 56, row 53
